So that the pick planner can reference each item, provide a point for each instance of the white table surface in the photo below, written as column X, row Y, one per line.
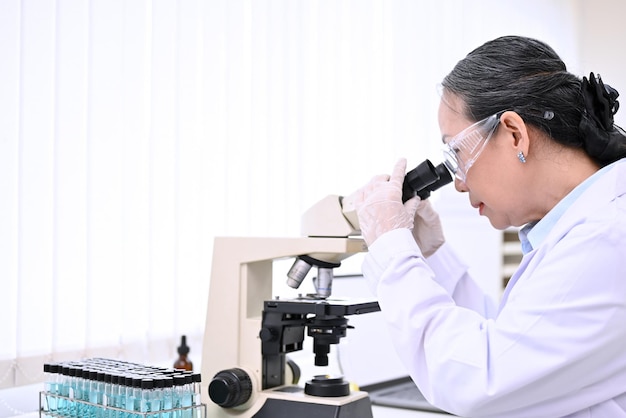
column 382, row 412
column 378, row 412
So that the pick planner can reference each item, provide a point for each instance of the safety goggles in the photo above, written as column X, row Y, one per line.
column 463, row 149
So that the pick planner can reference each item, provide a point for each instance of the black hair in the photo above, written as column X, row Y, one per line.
column 527, row 76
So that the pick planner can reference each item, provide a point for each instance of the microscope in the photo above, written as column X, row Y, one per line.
column 249, row 331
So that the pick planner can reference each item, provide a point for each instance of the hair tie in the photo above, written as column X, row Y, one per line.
column 600, row 100
column 602, row 139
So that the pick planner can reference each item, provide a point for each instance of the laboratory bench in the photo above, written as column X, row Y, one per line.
column 385, row 412
column 378, row 412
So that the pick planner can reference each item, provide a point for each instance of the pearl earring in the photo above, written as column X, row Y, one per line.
column 521, row 157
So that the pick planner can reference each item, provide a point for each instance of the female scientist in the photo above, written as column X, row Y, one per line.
column 533, row 146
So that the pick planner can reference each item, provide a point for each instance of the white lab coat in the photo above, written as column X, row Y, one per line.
column 555, row 347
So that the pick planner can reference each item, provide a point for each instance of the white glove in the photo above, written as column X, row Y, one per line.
column 379, row 205
column 427, row 229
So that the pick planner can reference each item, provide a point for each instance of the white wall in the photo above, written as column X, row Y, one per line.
column 601, row 40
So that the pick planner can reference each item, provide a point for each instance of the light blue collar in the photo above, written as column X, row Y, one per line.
column 533, row 233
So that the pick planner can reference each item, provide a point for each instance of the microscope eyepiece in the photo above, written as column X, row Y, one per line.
column 423, row 179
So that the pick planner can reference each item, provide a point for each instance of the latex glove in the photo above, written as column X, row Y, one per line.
column 379, row 205
column 427, row 229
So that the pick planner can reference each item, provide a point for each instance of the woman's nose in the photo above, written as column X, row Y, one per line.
column 460, row 185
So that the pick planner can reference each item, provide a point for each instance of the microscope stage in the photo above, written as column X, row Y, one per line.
column 322, row 307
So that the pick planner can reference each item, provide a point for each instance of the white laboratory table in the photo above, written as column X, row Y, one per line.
column 383, row 412
column 378, row 412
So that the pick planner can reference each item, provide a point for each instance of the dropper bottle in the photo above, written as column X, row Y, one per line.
column 183, row 363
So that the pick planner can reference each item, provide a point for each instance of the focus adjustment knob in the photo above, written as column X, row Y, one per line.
column 268, row 334
column 230, row 388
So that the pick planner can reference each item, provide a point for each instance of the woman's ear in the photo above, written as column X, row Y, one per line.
column 517, row 130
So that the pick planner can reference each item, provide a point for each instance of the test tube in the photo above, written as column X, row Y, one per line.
column 96, row 390
column 52, row 385
column 179, row 390
column 90, row 392
column 197, row 389
column 146, row 387
column 168, row 397
column 81, row 392
column 156, row 402
column 64, row 390
column 107, row 395
column 117, row 395
column 187, row 398
column 75, row 386
column 128, row 397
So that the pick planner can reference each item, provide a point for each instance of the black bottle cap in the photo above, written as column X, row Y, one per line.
column 179, row 380
column 147, row 383
column 159, row 382
column 183, row 349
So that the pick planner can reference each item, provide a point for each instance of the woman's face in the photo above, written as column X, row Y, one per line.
column 493, row 182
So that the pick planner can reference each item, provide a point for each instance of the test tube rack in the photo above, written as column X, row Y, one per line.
column 108, row 388
column 73, row 406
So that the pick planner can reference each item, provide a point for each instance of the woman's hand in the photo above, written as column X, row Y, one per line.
column 427, row 229
column 379, row 205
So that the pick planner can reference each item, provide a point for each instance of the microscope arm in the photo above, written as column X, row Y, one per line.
column 333, row 216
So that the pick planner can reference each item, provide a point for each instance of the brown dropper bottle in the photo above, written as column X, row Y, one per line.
column 182, row 362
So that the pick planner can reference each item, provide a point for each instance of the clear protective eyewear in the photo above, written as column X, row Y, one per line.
column 462, row 150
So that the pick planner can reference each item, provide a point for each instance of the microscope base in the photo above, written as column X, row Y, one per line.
column 282, row 408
